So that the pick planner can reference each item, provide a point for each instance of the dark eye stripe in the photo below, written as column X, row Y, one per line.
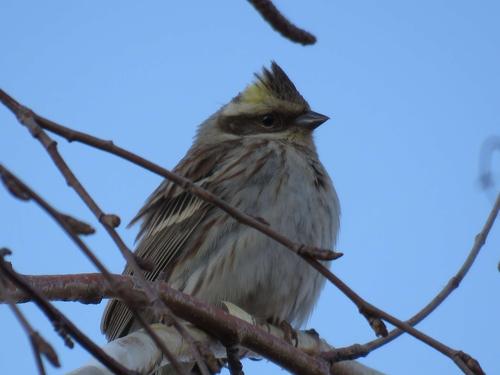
column 248, row 124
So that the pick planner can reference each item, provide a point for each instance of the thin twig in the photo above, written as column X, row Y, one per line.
column 281, row 24
column 38, row 344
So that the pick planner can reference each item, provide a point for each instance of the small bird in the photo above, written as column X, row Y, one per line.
column 257, row 153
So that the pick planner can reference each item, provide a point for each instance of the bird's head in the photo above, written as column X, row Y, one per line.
column 269, row 108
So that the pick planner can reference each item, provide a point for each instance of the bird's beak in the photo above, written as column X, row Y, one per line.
column 310, row 120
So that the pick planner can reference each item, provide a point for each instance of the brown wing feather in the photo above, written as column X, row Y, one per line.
column 161, row 247
column 170, row 216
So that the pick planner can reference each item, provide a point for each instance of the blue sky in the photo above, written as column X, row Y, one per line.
column 412, row 89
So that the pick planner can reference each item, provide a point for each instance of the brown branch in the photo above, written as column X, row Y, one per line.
column 215, row 321
column 281, row 24
column 62, row 324
column 373, row 314
column 38, row 344
column 86, row 288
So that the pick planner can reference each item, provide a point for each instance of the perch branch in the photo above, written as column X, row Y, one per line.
column 226, row 324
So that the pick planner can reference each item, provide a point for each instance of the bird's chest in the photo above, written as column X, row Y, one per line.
column 292, row 192
column 295, row 196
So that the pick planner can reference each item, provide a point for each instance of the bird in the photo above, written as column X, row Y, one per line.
column 258, row 154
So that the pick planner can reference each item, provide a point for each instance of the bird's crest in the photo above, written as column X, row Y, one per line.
column 272, row 84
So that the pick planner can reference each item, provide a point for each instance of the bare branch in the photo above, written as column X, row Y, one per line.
column 39, row 345
column 281, row 24
column 225, row 325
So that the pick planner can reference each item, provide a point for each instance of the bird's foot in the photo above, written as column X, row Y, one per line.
column 290, row 335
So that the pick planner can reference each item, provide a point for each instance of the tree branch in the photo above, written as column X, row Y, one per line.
column 229, row 324
column 39, row 345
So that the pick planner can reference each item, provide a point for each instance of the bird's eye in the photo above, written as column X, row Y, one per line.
column 268, row 120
